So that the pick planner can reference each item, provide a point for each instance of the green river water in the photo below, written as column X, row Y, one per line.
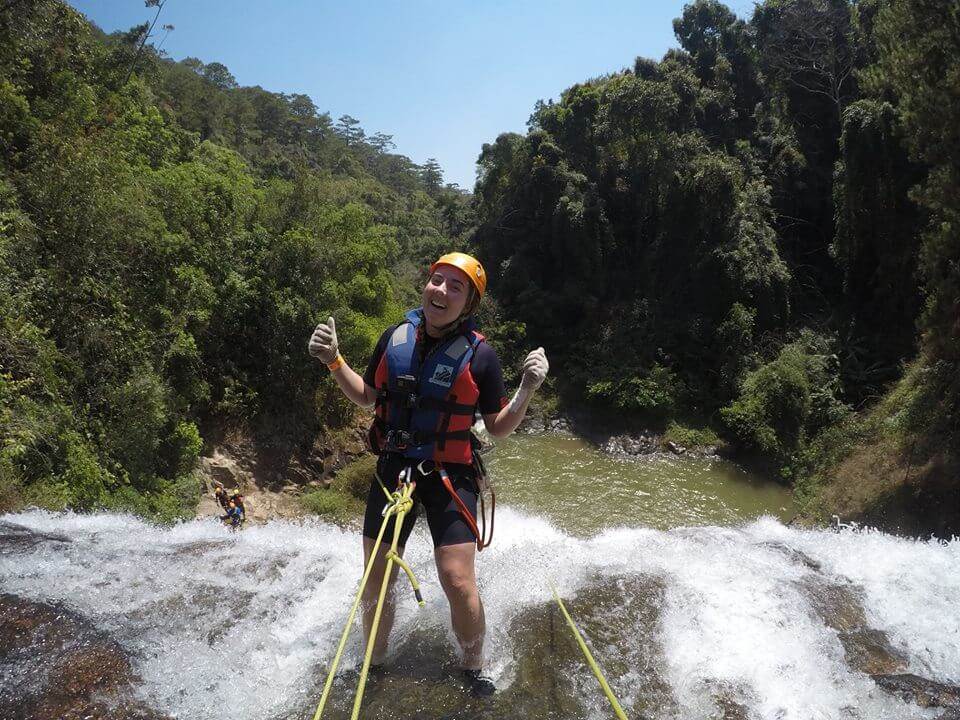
column 582, row 490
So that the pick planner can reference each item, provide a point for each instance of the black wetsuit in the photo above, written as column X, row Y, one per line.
column 447, row 525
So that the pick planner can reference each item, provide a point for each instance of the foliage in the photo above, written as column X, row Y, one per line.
column 876, row 243
column 762, row 227
column 918, row 51
column 746, row 228
column 788, row 400
column 168, row 240
column 356, row 478
column 333, row 505
column 690, row 437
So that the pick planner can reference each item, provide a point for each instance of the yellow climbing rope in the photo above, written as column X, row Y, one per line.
column 590, row 661
column 400, row 503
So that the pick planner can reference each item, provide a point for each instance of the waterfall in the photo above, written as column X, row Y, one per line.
column 212, row 619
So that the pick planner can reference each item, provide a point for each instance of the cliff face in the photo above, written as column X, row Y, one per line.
column 273, row 479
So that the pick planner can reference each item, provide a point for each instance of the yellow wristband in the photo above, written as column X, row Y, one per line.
column 336, row 364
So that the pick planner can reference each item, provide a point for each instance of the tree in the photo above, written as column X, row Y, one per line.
column 808, row 45
column 219, row 75
column 919, row 44
column 145, row 35
column 349, row 129
column 381, row 142
column 432, row 175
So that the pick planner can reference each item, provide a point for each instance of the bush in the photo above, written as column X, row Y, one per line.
column 355, row 479
column 772, row 408
column 788, row 400
column 86, row 480
column 11, row 487
column 167, row 501
column 181, row 448
column 333, row 505
column 656, row 393
column 690, row 437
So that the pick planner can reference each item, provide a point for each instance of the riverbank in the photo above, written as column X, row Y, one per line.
column 895, row 466
column 333, row 479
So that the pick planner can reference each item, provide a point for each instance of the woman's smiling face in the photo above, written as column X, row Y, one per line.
column 445, row 296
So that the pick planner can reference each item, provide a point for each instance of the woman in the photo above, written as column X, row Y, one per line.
column 427, row 377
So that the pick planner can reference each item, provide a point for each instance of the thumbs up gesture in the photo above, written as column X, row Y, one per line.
column 535, row 369
column 323, row 343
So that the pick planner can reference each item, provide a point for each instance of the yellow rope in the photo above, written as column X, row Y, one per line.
column 404, row 505
column 590, row 661
column 400, row 504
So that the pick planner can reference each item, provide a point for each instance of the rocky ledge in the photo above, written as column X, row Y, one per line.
column 272, row 479
column 648, row 442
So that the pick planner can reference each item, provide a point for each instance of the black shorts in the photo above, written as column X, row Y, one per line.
column 447, row 525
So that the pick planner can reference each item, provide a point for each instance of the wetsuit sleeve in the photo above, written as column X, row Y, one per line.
column 488, row 375
column 370, row 374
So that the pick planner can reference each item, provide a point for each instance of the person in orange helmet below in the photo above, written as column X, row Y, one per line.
column 427, row 378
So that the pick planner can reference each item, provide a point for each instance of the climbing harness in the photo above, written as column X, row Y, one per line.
column 484, row 488
column 399, row 503
column 617, row 709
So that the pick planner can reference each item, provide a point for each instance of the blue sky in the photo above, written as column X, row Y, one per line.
column 441, row 77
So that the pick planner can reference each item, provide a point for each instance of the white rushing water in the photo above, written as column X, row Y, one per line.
column 247, row 620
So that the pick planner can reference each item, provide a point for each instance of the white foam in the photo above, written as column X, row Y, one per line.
column 247, row 620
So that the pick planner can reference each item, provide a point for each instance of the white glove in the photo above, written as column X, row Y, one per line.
column 535, row 369
column 323, row 343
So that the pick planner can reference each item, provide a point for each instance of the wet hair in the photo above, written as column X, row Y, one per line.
column 473, row 302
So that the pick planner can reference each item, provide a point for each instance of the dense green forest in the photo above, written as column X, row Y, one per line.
column 759, row 233
column 168, row 240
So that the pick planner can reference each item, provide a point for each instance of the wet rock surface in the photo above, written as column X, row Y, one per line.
column 923, row 692
column 840, row 606
column 534, row 424
column 648, row 442
column 54, row 665
column 16, row 538
column 642, row 444
column 795, row 555
column 868, row 650
column 730, row 708
column 551, row 678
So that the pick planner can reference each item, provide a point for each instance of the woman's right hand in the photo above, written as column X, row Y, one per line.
column 323, row 343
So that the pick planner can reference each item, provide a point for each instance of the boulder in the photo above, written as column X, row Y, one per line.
column 223, row 469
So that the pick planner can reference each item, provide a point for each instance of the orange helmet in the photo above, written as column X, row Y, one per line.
column 468, row 264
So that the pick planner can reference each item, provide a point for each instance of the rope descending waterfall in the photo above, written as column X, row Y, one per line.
column 590, row 661
column 400, row 502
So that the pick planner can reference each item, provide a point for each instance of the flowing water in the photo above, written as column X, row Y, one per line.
column 693, row 609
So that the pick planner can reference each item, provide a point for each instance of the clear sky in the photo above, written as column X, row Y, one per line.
column 442, row 77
